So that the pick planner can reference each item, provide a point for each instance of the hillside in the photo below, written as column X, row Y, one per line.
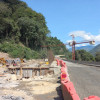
column 95, row 49
column 19, row 24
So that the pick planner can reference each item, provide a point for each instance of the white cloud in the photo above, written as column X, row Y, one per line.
column 69, row 41
column 83, row 45
column 86, row 36
column 78, row 45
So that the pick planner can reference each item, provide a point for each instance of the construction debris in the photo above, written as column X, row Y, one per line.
column 16, row 94
column 9, row 97
column 4, row 83
column 33, row 75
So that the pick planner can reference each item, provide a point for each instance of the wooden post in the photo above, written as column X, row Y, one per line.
column 33, row 72
column 40, row 72
column 21, row 71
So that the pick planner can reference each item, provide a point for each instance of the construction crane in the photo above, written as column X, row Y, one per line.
column 73, row 43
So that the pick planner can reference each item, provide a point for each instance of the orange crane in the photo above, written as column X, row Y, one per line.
column 73, row 43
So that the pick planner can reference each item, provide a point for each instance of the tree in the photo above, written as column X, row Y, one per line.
column 57, row 47
column 83, row 55
column 32, row 34
column 9, row 29
column 20, row 22
column 97, row 56
column 77, row 55
column 5, row 11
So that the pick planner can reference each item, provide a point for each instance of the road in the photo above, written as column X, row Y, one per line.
column 86, row 79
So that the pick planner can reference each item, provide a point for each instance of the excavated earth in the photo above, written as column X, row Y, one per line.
column 38, row 88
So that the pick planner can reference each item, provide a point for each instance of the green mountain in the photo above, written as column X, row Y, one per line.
column 95, row 49
column 87, row 48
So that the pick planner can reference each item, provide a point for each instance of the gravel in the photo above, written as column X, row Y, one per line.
column 9, row 97
column 7, row 84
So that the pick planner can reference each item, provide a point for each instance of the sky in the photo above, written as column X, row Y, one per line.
column 66, row 17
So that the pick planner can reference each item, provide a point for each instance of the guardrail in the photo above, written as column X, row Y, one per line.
column 68, row 90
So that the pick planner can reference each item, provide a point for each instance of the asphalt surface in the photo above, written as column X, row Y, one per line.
column 86, row 79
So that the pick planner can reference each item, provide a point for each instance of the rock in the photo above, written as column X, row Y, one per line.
column 19, row 77
column 19, row 98
column 41, row 77
column 8, row 77
column 13, row 77
column 23, row 79
column 9, row 97
column 29, row 79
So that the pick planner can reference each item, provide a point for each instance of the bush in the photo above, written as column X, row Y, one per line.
column 18, row 51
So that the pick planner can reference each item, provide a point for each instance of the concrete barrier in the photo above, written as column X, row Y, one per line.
column 61, row 62
column 64, row 77
column 68, row 90
column 58, row 62
column 92, row 98
column 63, row 69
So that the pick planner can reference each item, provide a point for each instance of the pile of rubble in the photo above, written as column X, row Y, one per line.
column 9, row 97
column 10, row 81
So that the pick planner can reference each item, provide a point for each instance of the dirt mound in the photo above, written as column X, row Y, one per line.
column 4, row 55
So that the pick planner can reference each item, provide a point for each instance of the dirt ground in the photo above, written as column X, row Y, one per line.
column 42, row 88
column 35, row 90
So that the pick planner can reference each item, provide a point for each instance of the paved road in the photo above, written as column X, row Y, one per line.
column 86, row 79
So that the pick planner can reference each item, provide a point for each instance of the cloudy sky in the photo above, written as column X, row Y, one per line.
column 65, row 17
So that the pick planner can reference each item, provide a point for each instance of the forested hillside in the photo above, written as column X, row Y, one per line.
column 22, row 28
column 20, row 23
column 83, row 55
column 95, row 50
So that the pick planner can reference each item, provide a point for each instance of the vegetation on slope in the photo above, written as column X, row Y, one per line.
column 57, row 47
column 18, row 51
column 97, row 56
column 20, row 24
column 83, row 55
column 95, row 50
